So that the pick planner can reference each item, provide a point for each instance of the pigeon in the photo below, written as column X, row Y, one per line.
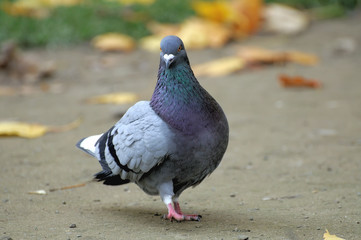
column 169, row 143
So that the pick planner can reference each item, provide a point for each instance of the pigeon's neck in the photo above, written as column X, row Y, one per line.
column 181, row 102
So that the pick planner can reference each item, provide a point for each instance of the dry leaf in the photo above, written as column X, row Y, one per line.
column 198, row 33
column 298, row 81
column 302, row 58
column 114, row 98
column 28, row 8
column 328, row 236
column 29, row 130
column 247, row 17
column 21, row 129
column 219, row 67
column 283, row 19
column 114, row 42
column 150, row 43
column 241, row 17
column 219, row 11
column 256, row 55
column 35, row 8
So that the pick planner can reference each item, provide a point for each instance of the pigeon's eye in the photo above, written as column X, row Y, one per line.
column 180, row 48
column 160, row 49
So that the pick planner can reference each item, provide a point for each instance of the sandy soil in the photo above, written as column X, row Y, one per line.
column 292, row 168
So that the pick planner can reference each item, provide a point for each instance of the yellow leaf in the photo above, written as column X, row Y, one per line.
column 242, row 17
column 150, row 43
column 198, row 33
column 219, row 11
column 21, row 129
column 114, row 98
column 328, row 236
column 32, row 130
column 28, row 8
column 114, row 42
column 219, row 67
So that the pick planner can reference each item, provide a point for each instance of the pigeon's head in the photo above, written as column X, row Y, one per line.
column 172, row 51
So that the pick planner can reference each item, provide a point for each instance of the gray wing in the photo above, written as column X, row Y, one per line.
column 136, row 143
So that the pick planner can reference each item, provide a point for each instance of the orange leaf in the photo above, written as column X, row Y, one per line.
column 242, row 17
column 219, row 11
column 298, row 81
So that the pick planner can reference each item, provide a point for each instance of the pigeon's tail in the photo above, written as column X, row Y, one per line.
column 88, row 144
column 109, row 179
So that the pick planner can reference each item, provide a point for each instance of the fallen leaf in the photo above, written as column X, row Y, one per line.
column 256, row 55
column 242, row 17
column 283, row 19
column 298, row 81
column 31, row 130
column 35, row 8
column 114, row 42
column 219, row 67
column 328, row 236
column 27, row 8
column 21, row 129
column 114, row 98
column 198, row 33
column 150, row 43
column 219, row 11
column 302, row 58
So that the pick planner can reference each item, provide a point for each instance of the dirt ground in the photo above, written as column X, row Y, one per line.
column 292, row 168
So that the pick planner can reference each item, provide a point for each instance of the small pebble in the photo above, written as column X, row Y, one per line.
column 64, row 203
column 73, row 225
column 242, row 237
column 232, row 195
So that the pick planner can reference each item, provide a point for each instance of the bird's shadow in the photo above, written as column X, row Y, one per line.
column 223, row 220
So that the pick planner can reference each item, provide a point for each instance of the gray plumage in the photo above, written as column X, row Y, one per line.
column 169, row 143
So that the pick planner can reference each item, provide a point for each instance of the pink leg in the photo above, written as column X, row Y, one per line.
column 176, row 213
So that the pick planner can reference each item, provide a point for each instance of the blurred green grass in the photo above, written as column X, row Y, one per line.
column 80, row 23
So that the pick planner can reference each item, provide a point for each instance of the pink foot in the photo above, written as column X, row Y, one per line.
column 178, row 215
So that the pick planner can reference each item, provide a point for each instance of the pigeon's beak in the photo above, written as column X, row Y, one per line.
column 168, row 59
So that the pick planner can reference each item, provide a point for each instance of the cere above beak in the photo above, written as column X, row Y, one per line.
column 168, row 58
